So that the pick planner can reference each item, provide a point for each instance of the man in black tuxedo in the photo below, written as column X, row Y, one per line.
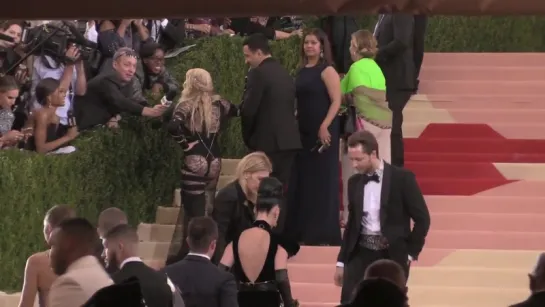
column 395, row 34
column 202, row 283
column 268, row 108
column 537, row 285
column 121, row 246
column 382, row 201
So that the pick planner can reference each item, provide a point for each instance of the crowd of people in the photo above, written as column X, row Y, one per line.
column 99, row 266
column 107, row 68
column 297, row 131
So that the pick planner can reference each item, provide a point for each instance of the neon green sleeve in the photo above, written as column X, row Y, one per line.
column 354, row 78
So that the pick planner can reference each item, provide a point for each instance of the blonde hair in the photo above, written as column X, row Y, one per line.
column 364, row 43
column 198, row 95
column 252, row 163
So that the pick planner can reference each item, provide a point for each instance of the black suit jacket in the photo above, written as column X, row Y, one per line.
column 124, row 294
column 268, row 109
column 105, row 98
column 154, row 286
column 395, row 50
column 232, row 215
column 535, row 300
column 339, row 30
column 401, row 200
column 202, row 283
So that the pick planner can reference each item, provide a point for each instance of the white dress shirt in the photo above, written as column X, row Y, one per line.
column 130, row 259
column 371, row 204
column 200, row 255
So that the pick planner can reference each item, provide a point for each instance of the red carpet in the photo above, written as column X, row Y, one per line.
column 457, row 159
column 475, row 157
column 460, row 131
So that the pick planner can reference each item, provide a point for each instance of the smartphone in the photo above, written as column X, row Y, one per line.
column 165, row 102
column 323, row 148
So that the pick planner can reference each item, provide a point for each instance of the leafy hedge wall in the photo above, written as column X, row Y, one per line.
column 137, row 168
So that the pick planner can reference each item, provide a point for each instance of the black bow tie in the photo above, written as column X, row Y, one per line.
column 368, row 178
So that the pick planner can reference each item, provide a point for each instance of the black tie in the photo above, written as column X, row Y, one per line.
column 368, row 178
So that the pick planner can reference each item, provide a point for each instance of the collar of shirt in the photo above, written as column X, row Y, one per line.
column 379, row 170
column 200, row 255
column 130, row 259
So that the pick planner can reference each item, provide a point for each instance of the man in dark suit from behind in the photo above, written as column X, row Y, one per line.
column 121, row 247
column 537, row 285
column 420, row 25
column 201, row 283
column 268, row 108
column 268, row 111
column 395, row 36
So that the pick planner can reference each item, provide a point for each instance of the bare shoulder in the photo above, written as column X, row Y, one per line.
column 38, row 259
column 41, row 114
column 330, row 71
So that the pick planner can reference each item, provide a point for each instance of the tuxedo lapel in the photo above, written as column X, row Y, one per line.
column 385, row 191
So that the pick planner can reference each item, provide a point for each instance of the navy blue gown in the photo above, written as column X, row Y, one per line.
column 313, row 192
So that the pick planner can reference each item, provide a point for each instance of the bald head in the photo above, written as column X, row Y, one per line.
column 387, row 269
column 110, row 218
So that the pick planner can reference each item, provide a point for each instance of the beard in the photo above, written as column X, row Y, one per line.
column 111, row 265
column 58, row 266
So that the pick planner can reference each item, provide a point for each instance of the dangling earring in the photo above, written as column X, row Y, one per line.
column 322, row 54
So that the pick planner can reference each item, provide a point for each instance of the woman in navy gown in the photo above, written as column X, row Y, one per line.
column 313, row 215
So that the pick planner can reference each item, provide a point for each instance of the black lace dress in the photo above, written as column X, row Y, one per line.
column 264, row 292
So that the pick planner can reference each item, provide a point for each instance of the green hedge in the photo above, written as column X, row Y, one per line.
column 137, row 168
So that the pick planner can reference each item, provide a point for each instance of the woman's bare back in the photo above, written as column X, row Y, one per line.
column 38, row 280
column 253, row 249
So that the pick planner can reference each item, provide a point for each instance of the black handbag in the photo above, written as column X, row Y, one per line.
column 348, row 122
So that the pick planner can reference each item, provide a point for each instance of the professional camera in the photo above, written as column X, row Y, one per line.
column 290, row 23
column 54, row 38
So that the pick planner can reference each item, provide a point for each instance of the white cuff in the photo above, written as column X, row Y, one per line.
column 340, row 265
column 164, row 23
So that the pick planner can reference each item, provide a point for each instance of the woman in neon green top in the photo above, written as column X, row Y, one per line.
column 364, row 86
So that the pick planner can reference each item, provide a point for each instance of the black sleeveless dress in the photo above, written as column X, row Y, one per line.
column 313, row 192
column 54, row 132
column 263, row 292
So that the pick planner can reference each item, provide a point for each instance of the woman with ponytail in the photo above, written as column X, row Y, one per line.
column 197, row 120
column 364, row 101
column 258, row 257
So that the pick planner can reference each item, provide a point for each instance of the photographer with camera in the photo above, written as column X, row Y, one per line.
column 111, row 94
column 69, row 70
column 10, row 53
